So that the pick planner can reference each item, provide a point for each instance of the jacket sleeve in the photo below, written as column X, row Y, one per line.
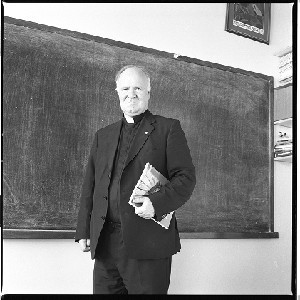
column 181, row 173
column 86, row 199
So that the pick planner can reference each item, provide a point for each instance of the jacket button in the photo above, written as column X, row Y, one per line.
column 103, row 218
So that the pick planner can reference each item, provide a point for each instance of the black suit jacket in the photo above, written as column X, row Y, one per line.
column 161, row 142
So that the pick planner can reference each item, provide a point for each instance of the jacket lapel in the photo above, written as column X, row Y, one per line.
column 141, row 137
column 112, row 142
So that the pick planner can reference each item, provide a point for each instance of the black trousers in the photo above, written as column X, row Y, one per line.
column 115, row 273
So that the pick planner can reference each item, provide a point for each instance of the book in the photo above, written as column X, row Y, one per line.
column 284, row 142
column 149, row 183
column 283, row 147
column 286, row 81
column 283, row 154
column 285, row 59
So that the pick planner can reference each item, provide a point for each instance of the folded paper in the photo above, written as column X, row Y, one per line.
column 150, row 182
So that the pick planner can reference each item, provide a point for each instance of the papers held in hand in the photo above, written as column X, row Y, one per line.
column 150, row 182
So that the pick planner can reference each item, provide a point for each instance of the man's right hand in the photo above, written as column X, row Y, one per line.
column 85, row 245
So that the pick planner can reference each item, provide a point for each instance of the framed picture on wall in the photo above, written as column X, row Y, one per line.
column 251, row 20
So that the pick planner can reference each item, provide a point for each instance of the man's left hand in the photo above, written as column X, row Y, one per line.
column 146, row 210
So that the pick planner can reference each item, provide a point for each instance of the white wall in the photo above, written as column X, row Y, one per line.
column 247, row 266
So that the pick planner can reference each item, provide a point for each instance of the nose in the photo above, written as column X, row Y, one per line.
column 131, row 93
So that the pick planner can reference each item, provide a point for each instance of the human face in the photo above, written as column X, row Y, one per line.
column 132, row 88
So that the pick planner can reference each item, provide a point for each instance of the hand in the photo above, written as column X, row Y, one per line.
column 85, row 245
column 145, row 211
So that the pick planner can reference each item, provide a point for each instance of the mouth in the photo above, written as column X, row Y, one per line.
column 132, row 99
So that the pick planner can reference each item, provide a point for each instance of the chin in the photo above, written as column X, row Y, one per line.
column 132, row 114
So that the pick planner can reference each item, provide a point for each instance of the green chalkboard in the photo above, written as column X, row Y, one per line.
column 58, row 90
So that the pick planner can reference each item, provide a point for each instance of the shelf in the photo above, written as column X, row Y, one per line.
column 285, row 67
column 287, row 159
column 284, row 86
column 284, row 51
column 288, row 122
column 283, row 103
column 284, row 83
column 283, row 112
column 283, row 127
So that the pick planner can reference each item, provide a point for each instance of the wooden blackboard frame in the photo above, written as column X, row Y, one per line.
column 69, row 234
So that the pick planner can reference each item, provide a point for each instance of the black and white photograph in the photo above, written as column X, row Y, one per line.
column 148, row 149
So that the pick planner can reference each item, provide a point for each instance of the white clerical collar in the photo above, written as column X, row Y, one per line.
column 135, row 119
column 129, row 119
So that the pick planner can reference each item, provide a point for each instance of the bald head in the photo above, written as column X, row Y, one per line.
column 132, row 68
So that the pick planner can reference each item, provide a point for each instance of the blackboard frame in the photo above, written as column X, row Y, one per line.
column 69, row 234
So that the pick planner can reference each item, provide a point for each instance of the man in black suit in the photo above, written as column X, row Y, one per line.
column 132, row 252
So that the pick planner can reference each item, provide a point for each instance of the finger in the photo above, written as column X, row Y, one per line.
column 144, row 215
column 84, row 245
column 139, row 210
column 147, row 217
column 138, row 200
column 85, row 248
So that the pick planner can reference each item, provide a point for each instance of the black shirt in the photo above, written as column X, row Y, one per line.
column 127, row 134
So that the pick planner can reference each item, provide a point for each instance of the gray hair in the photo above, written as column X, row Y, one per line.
column 143, row 69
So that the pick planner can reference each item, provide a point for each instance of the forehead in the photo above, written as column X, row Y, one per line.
column 132, row 76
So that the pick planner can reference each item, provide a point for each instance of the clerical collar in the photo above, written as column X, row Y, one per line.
column 134, row 119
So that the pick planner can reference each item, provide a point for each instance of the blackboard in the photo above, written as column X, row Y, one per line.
column 58, row 90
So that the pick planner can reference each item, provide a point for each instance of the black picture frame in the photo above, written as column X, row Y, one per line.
column 250, row 20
